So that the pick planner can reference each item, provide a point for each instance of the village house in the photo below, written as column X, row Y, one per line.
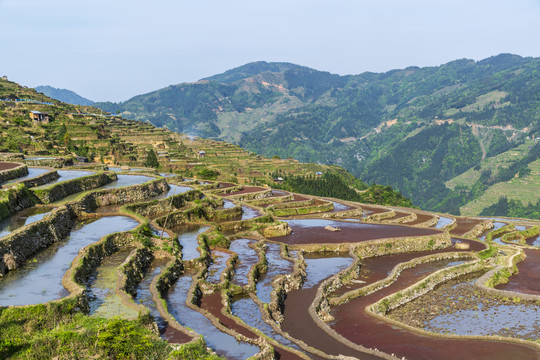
column 39, row 117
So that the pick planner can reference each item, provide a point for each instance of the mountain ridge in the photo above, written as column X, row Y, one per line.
column 358, row 121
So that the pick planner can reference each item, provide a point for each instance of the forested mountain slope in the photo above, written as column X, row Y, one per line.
column 414, row 129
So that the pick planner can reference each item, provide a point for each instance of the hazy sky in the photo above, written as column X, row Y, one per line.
column 115, row 49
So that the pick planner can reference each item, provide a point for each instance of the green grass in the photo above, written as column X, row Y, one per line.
column 504, row 159
column 59, row 330
column 525, row 189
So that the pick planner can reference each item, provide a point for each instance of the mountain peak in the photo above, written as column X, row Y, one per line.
column 64, row 95
column 251, row 69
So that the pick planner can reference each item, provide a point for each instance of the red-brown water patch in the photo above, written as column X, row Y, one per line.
column 355, row 324
column 420, row 218
column 8, row 165
column 311, row 231
column 464, row 225
column 300, row 325
column 377, row 268
column 527, row 280
column 246, row 190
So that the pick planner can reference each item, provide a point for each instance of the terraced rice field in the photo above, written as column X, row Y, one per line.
column 311, row 286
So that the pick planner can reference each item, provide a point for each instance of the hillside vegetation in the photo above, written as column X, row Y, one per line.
column 84, row 131
column 414, row 129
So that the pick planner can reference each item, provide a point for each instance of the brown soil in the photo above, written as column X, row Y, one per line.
column 8, row 165
column 354, row 323
column 378, row 268
column 175, row 336
column 527, row 280
column 212, row 304
column 299, row 324
column 246, row 190
column 420, row 218
column 350, row 233
column 224, row 185
column 455, row 296
column 464, row 226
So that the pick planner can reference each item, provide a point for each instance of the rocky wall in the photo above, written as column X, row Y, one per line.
column 380, row 216
column 41, row 179
column 15, row 198
column 18, row 246
column 163, row 206
column 422, row 287
column 118, row 196
column 271, row 200
column 62, row 189
column 17, row 172
column 303, row 210
column 250, row 196
column 90, row 258
column 11, row 157
column 56, row 163
column 135, row 268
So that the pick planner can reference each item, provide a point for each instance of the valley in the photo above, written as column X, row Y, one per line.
column 125, row 240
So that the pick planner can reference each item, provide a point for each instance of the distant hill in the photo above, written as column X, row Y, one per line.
column 415, row 129
column 64, row 95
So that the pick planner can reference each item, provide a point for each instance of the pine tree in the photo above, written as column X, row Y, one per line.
column 151, row 159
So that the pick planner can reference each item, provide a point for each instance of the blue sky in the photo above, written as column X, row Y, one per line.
column 115, row 49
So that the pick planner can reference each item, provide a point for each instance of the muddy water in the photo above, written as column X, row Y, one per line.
column 219, row 263
column 144, row 297
column 68, row 175
column 227, row 204
column 527, row 280
column 464, row 225
column 377, row 268
column 22, row 218
column 123, row 180
column 308, row 231
column 534, row 241
column 174, row 190
column 247, row 257
column 224, row 344
column 358, row 326
column 40, row 280
column 276, row 266
column 102, row 297
column 341, row 207
column 443, row 221
column 249, row 213
column 476, row 316
column 299, row 324
column 420, row 218
column 187, row 236
column 247, row 310
column 32, row 172
column 127, row 180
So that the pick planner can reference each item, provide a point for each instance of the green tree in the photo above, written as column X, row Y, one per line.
column 151, row 159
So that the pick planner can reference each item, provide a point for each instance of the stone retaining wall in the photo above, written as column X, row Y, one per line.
column 162, row 206
column 11, row 156
column 422, row 287
column 271, row 200
column 250, row 196
column 303, row 210
column 380, row 216
column 41, row 179
column 56, row 163
column 17, row 172
column 95, row 199
column 15, row 198
column 62, row 189
column 134, row 269
column 18, row 246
